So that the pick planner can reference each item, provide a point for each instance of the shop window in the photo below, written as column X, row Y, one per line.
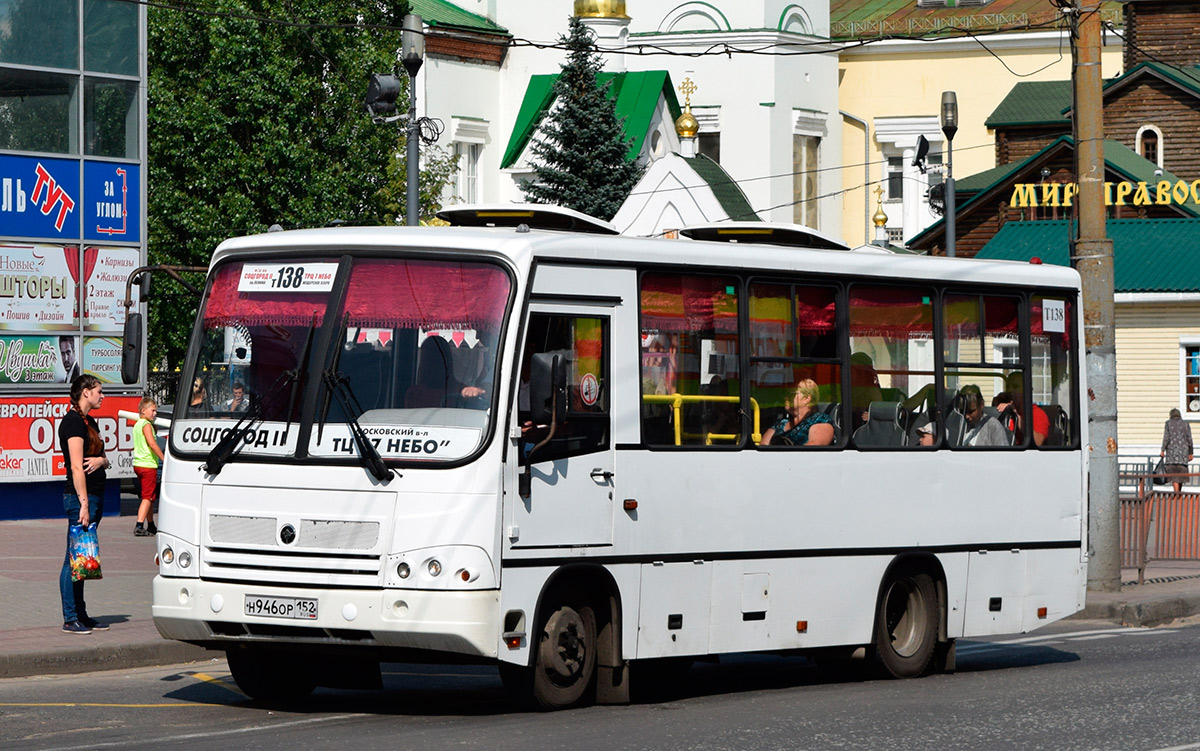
column 111, row 113
column 1190, row 379
column 690, row 368
column 38, row 112
column 110, row 37
column 43, row 33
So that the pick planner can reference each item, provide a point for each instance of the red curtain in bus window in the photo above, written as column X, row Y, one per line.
column 226, row 305
column 688, row 304
column 816, row 311
column 891, row 311
column 427, row 294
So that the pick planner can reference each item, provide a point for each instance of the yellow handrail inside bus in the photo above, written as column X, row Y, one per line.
column 678, row 400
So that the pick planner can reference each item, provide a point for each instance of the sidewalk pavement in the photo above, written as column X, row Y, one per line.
column 31, row 642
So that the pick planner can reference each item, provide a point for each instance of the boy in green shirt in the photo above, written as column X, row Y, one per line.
column 146, row 456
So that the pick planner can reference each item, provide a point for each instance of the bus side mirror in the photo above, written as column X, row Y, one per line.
column 131, row 348
column 547, row 389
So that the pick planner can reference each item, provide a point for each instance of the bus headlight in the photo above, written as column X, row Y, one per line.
column 403, row 570
column 434, row 568
column 168, row 555
column 185, row 559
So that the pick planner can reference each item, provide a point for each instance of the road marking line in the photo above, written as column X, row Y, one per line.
column 171, row 739
column 217, row 682
column 100, row 704
column 1179, row 748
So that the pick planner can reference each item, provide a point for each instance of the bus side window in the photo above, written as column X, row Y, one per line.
column 891, row 365
column 689, row 356
column 1052, row 369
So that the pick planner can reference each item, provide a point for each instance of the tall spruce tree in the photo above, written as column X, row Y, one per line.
column 581, row 152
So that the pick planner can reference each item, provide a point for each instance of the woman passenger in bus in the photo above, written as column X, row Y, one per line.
column 805, row 426
column 198, row 406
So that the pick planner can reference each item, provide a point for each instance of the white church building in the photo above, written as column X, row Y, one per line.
column 770, row 120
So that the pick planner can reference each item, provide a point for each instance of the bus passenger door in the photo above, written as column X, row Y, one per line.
column 569, row 471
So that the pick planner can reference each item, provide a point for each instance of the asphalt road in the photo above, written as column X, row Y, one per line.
column 1077, row 685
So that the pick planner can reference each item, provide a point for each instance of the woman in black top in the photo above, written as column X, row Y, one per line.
column 83, row 455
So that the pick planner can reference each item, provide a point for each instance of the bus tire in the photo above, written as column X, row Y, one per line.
column 906, row 623
column 270, row 676
column 564, row 661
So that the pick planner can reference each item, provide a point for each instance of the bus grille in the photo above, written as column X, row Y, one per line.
column 325, row 552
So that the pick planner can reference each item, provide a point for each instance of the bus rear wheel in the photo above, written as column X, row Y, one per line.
column 906, row 623
column 270, row 676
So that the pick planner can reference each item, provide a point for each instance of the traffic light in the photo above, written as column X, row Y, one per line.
column 382, row 92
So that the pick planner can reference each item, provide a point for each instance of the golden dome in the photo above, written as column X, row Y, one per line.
column 687, row 126
column 880, row 218
column 600, row 8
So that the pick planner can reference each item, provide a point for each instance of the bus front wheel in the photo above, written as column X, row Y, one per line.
column 906, row 623
column 270, row 676
column 564, row 660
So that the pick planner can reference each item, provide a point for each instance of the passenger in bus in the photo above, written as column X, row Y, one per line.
column 864, row 387
column 806, row 426
column 238, row 402
column 198, row 405
column 435, row 385
column 1015, row 384
column 982, row 428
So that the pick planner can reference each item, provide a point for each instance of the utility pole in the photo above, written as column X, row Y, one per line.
column 1092, row 256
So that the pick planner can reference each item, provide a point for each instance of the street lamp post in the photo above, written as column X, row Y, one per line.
column 949, row 120
column 412, row 44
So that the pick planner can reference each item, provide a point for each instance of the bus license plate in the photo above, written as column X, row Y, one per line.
column 303, row 608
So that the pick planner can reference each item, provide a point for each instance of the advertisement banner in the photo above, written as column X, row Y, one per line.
column 29, row 447
column 112, row 201
column 106, row 271
column 38, row 287
column 39, row 197
column 39, row 359
column 102, row 357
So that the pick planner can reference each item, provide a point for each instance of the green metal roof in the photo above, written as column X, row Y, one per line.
column 1185, row 77
column 1033, row 103
column 858, row 19
column 636, row 95
column 1119, row 159
column 441, row 14
column 727, row 192
column 1149, row 255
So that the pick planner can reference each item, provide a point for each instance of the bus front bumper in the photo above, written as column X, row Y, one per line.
column 214, row 614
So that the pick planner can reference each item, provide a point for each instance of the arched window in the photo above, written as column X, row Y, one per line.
column 1150, row 144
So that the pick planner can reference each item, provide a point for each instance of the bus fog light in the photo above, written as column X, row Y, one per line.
column 184, row 596
column 435, row 567
column 216, row 603
column 168, row 555
column 185, row 559
column 403, row 570
column 349, row 611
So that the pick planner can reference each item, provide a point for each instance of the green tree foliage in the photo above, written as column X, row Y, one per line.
column 581, row 150
column 253, row 124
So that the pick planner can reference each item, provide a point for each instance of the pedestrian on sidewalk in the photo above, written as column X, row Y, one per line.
column 83, row 498
column 1176, row 448
column 146, row 458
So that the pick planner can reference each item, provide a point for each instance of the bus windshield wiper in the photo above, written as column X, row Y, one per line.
column 338, row 385
column 225, row 449
column 337, row 355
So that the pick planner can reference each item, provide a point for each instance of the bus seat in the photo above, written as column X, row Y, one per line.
column 1008, row 420
column 1059, row 425
column 884, row 426
column 956, row 422
column 834, row 410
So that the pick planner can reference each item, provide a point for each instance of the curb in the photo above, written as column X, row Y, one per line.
column 1145, row 614
column 114, row 657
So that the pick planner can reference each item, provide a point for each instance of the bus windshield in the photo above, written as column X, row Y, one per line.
column 298, row 351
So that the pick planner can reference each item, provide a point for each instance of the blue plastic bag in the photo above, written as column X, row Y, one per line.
column 83, row 548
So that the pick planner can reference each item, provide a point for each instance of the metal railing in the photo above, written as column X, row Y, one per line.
column 1158, row 524
column 676, row 402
